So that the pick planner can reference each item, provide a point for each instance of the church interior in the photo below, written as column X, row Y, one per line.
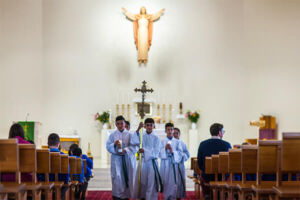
column 71, row 67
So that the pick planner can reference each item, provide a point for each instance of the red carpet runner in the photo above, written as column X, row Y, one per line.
column 106, row 195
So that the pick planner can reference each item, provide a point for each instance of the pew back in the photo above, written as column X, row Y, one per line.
column 290, row 159
column 249, row 159
column 9, row 155
column 208, row 165
column 43, row 161
column 64, row 163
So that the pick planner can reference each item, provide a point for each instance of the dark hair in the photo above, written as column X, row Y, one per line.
column 177, row 129
column 215, row 128
column 71, row 149
column 169, row 125
column 149, row 120
column 120, row 117
column 77, row 152
column 127, row 122
column 53, row 139
column 16, row 130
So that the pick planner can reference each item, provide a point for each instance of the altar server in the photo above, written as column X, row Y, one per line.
column 181, row 186
column 151, row 182
column 118, row 144
column 171, row 155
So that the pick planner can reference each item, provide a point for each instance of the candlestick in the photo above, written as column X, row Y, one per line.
column 164, row 114
column 158, row 110
column 180, row 108
column 117, row 110
column 170, row 113
column 128, row 112
column 123, row 110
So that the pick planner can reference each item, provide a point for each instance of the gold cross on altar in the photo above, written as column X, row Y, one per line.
column 143, row 90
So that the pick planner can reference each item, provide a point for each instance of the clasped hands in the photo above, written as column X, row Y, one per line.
column 118, row 144
column 168, row 146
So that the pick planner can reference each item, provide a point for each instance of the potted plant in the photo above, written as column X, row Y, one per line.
column 193, row 117
column 103, row 118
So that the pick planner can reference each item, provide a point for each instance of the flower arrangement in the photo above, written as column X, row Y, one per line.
column 192, row 116
column 103, row 118
column 157, row 119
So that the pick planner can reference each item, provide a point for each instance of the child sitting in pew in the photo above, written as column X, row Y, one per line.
column 89, row 162
column 80, row 194
column 53, row 144
column 16, row 131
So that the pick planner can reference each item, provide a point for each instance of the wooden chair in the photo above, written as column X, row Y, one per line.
column 290, row 164
column 43, row 167
column 28, row 164
column 235, row 168
column 56, row 170
column 223, row 170
column 9, row 163
column 267, row 164
column 249, row 168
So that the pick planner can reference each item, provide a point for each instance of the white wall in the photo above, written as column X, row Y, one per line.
column 21, row 76
column 273, row 62
column 211, row 55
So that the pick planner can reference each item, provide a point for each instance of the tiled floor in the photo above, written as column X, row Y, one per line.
column 102, row 180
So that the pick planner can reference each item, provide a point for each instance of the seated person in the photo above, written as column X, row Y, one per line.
column 77, row 152
column 54, row 144
column 89, row 162
column 214, row 145
column 16, row 131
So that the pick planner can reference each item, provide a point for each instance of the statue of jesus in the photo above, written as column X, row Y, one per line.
column 142, row 27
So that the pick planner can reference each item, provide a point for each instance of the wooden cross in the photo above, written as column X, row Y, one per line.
column 143, row 90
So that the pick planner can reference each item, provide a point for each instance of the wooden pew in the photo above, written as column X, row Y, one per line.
column 290, row 164
column 208, row 170
column 215, row 170
column 3, row 196
column 9, row 163
column 234, row 165
column 197, row 172
column 223, row 170
column 65, row 170
column 267, row 164
column 84, row 165
column 43, row 167
column 78, row 170
column 56, row 169
column 73, row 170
column 28, row 164
column 249, row 167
